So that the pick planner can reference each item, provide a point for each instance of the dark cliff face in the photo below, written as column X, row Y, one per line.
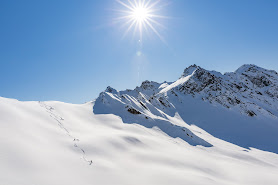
column 250, row 88
column 200, row 80
column 264, row 81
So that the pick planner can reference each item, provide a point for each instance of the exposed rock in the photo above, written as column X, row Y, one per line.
column 133, row 111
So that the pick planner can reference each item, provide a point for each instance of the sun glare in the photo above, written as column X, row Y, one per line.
column 140, row 15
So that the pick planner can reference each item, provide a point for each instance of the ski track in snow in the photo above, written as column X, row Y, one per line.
column 59, row 120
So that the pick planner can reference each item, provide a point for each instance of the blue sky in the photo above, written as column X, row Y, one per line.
column 70, row 50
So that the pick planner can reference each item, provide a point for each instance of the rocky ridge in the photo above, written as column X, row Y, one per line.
column 251, row 90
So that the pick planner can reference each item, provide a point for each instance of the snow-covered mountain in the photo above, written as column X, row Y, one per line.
column 238, row 107
column 250, row 89
column 204, row 128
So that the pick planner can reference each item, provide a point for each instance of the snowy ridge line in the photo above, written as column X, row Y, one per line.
column 59, row 120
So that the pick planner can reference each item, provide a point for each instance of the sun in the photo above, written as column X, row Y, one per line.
column 140, row 15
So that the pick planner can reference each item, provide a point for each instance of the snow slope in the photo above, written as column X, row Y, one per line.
column 156, row 134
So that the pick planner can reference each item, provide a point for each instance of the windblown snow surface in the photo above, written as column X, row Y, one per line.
column 205, row 128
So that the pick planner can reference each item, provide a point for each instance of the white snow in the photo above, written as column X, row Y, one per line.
column 38, row 147
column 156, row 134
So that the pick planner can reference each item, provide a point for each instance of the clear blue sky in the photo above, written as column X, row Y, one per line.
column 69, row 50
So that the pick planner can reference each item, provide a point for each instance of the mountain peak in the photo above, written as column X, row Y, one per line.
column 247, row 67
column 189, row 70
column 111, row 90
column 253, row 69
column 147, row 85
